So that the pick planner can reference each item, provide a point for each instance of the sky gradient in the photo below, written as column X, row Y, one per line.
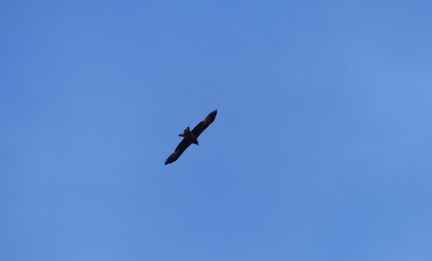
column 321, row 149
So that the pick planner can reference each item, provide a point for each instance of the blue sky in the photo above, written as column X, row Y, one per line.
column 321, row 149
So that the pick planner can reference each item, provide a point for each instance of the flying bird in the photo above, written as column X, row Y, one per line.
column 191, row 136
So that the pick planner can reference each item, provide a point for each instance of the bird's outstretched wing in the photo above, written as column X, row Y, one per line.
column 181, row 147
column 204, row 124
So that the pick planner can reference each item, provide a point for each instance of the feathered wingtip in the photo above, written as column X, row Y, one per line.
column 173, row 157
column 212, row 115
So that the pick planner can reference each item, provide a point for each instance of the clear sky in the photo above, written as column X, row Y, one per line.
column 321, row 149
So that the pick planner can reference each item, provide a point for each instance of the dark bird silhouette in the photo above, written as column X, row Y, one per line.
column 190, row 137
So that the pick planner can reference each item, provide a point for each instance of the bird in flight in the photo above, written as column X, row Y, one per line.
column 191, row 136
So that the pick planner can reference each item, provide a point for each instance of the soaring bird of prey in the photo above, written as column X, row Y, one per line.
column 190, row 137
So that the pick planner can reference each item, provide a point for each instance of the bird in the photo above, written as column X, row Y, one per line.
column 191, row 136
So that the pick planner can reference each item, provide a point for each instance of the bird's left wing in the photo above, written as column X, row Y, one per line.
column 204, row 124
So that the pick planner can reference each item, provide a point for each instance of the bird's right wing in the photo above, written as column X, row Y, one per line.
column 181, row 147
